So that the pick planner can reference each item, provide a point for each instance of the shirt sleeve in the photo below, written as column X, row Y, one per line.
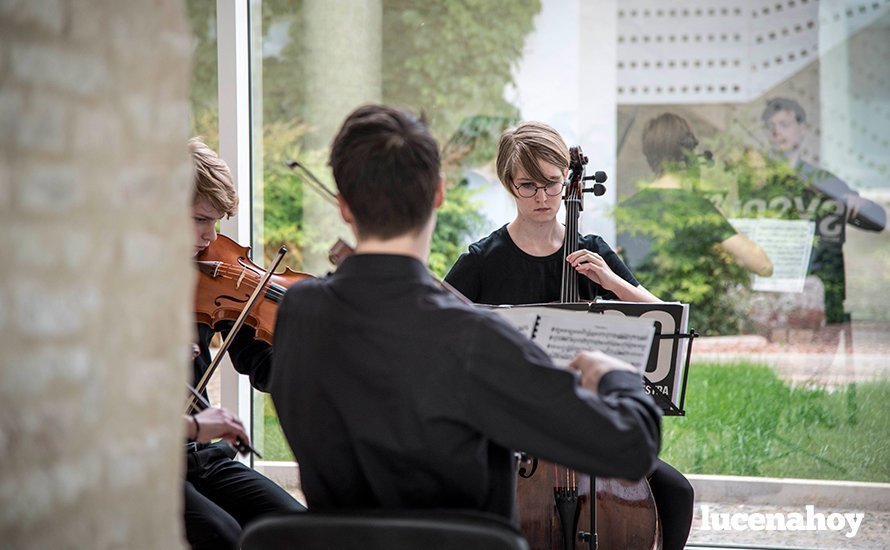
column 520, row 400
column 466, row 275
column 870, row 215
column 251, row 357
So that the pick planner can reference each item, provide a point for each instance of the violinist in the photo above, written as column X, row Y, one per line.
column 221, row 494
column 521, row 263
column 416, row 397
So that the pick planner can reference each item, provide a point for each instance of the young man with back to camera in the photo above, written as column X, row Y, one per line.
column 417, row 398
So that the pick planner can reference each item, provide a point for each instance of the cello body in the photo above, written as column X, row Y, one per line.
column 625, row 514
column 539, row 519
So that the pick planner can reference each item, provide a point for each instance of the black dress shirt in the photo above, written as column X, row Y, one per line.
column 392, row 393
column 249, row 356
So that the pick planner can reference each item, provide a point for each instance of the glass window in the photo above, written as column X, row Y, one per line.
column 314, row 61
column 204, row 97
column 772, row 118
column 204, row 80
column 746, row 151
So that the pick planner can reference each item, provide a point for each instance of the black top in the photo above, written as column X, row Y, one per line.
column 249, row 356
column 392, row 393
column 496, row 271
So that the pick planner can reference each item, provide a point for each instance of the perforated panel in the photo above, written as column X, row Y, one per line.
column 716, row 51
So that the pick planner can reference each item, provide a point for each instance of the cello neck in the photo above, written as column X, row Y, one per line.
column 569, row 291
column 574, row 195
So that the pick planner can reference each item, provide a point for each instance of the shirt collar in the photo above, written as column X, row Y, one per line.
column 383, row 266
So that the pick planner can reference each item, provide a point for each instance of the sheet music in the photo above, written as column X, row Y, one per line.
column 563, row 336
column 667, row 366
column 523, row 320
column 788, row 243
column 622, row 329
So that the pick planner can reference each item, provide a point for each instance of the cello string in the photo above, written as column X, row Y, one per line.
column 569, row 285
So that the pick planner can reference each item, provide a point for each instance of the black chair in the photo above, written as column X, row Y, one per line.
column 383, row 530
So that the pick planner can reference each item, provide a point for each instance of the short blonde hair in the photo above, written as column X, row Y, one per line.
column 526, row 145
column 212, row 179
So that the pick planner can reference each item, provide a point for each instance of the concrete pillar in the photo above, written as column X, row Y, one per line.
column 95, row 241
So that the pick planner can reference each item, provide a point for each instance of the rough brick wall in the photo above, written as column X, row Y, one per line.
column 95, row 243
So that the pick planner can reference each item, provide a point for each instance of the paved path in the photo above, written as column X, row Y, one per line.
column 860, row 355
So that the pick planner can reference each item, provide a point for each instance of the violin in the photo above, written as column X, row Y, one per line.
column 227, row 278
column 555, row 504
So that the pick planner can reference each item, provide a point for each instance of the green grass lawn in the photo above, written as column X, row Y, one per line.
column 742, row 420
column 271, row 443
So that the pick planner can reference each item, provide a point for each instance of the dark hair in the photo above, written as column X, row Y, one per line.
column 386, row 165
column 667, row 138
column 777, row 104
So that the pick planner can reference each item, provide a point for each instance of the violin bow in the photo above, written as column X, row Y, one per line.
column 329, row 195
column 240, row 445
column 317, row 184
column 236, row 327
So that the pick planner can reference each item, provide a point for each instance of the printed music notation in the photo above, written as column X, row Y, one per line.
column 788, row 243
column 650, row 335
column 564, row 333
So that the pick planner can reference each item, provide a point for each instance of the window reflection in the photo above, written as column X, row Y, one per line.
column 811, row 332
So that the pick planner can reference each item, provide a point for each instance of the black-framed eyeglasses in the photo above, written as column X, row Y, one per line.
column 529, row 190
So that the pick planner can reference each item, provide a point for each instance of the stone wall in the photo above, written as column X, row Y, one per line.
column 95, row 242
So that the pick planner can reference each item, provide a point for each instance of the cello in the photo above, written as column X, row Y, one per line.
column 555, row 505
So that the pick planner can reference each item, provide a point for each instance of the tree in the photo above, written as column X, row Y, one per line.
column 444, row 59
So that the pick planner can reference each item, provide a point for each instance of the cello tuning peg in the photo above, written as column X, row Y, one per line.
column 599, row 176
column 598, row 189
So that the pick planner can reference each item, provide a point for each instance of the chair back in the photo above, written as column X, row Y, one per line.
column 383, row 530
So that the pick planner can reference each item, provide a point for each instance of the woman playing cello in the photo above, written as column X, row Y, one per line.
column 522, row 263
